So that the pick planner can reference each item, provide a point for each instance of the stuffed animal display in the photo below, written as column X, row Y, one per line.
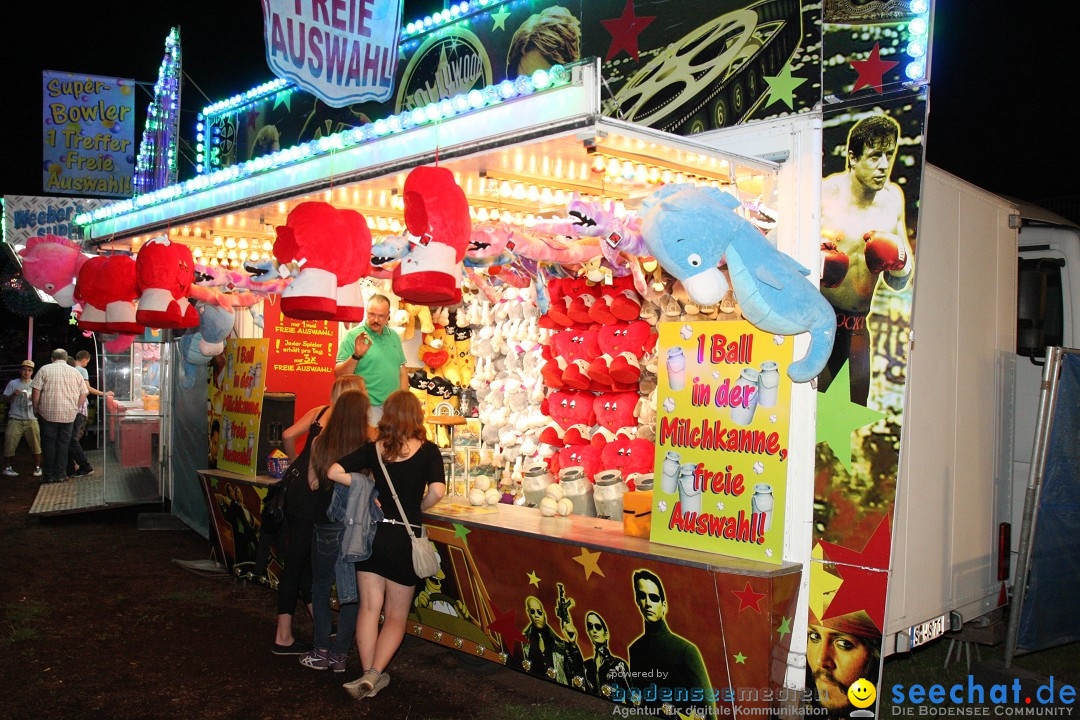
column 51, row 264
column 107, row 289
column 164, row 272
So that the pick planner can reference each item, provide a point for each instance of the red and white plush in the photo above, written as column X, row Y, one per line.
column 617, row 302
column 107, row 290
column 439, row 228
column 622, row 346
column 629, row 456
column 333, row 252
column 586, row 456
column 569, row 411
column 51, row 264
column 164, row 272
column 615, row 413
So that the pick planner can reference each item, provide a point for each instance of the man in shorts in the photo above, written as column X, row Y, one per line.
column 21, row 420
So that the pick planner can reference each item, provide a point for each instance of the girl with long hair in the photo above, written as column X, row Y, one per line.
column 386, row 579
column 344, row 433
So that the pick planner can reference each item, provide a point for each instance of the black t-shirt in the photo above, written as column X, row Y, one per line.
column 411, row 477
column 300, row 500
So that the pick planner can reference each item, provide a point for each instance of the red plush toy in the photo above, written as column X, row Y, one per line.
column 571, row 350
column 618, row 301
column 615, row 412
column 107, row 290
column 164, row 271
column 568, row 410
column 334, row 248
column 628, row 456
column 622, row 346
column 437, row 218
column 585, row 456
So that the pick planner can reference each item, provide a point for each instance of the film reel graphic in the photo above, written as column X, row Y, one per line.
column 715, row 75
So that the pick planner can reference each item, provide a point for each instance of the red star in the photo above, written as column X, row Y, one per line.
column 871, row 70
column 748, row 598
column 252, row 117
column 506, row 625
column 625, row 30
column 864, row 587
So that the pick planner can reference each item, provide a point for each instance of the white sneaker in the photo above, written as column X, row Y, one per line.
column 37, row 471
column 10, row 472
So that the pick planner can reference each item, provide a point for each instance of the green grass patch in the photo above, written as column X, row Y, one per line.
column 21, row 618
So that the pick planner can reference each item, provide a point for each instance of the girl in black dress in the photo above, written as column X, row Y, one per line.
column 386, row 579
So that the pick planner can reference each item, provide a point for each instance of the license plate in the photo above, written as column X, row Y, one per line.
column 929, row 630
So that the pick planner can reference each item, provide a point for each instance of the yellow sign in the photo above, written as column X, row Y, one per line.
column 723, row 407
column 242, row 398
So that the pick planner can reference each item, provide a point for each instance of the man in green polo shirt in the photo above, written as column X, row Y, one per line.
column 373, row 351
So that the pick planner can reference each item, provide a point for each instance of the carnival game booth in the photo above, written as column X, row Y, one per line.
column 623, row 524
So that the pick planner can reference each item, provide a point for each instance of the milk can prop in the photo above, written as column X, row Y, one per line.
column 577, row 488
column 762, row 502
column 669, row 480
column 534, row 483
column 608, row 494
column 743, row 413
column 689, row 496
column 676, row 368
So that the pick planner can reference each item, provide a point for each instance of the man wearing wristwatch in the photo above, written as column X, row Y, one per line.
column 373, row 351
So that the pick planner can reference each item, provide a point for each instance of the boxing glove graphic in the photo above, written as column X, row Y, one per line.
column 834, row 264
column 884, row 251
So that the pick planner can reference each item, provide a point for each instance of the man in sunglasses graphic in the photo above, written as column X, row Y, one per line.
column 659, row 656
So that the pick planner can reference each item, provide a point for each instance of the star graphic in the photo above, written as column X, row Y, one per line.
column 283, row 98
column 822, row 582
column 782, row 87
column 740, row 659
column 252, row 117
column 534, row 579
column 625, row 30
column 499, row 16
column 506, row 625
column 871, row 70
column 72, row 320
column 461, row 532
column 748, row 598
column 591, row 562
column 864, row 586
column 838, row 417
column 785, row 626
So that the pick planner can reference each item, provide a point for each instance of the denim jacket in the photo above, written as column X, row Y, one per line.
column 355, row 506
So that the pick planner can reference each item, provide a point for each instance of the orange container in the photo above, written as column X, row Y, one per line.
column 637, row 513
column 151, row 402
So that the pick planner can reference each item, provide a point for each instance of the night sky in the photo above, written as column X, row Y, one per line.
column 999, row 103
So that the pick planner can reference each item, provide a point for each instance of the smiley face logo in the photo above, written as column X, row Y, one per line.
column 862, row 693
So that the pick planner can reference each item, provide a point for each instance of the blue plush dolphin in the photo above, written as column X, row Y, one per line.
column 690, row 230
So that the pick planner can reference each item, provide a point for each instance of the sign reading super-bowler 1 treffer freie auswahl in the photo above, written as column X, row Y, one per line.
column 342, row 52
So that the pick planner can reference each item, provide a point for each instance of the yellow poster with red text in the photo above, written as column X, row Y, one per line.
column 723, row 408
column 242, row 391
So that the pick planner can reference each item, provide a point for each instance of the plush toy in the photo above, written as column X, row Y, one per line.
column 333, row 249
column 198, row 347
column 585, row 456
column 437, row 218
column 436, row 348
column 567, row 409
column 51, row 264
column 691, row 229
column 622, row 345
column 628, row 455
column 164, row 272
column 572, row 350
column 463, row 361
column 107, row 290
column 615, row 412
column 410, row 317
column 618, row 301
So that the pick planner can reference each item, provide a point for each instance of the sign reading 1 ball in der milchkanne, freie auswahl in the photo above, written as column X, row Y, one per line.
column 723, row 402
column 88, row 134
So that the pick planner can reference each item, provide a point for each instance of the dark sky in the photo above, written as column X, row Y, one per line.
column 999, row 101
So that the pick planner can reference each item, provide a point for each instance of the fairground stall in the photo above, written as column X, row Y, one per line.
column 614, row 329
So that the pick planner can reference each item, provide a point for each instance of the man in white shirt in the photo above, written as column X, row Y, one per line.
column 58, row 391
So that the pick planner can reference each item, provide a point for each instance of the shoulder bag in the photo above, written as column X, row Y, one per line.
column 425, row 558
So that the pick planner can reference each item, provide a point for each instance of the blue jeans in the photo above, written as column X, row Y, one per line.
column 325, row 557
column 55, row 439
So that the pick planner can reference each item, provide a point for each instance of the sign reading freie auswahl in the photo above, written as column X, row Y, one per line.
column 341, row 51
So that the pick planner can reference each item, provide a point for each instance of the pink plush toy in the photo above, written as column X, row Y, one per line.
column 622, row 346
column 437, row 218
column 51, row 264
column 107, row 290
column 331, row 250
column 164, row 272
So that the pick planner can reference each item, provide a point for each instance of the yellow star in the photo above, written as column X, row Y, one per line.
column 591, row 562
column 534, row 579
column 500, row 18
column 822, row 583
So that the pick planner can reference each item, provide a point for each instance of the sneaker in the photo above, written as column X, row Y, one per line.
column 37, row 471
column 10, row 472
column 382, row 682
column 316, row 659
column 361, row 687
column 337, row 662
column 297, row 648
column 84, row 471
